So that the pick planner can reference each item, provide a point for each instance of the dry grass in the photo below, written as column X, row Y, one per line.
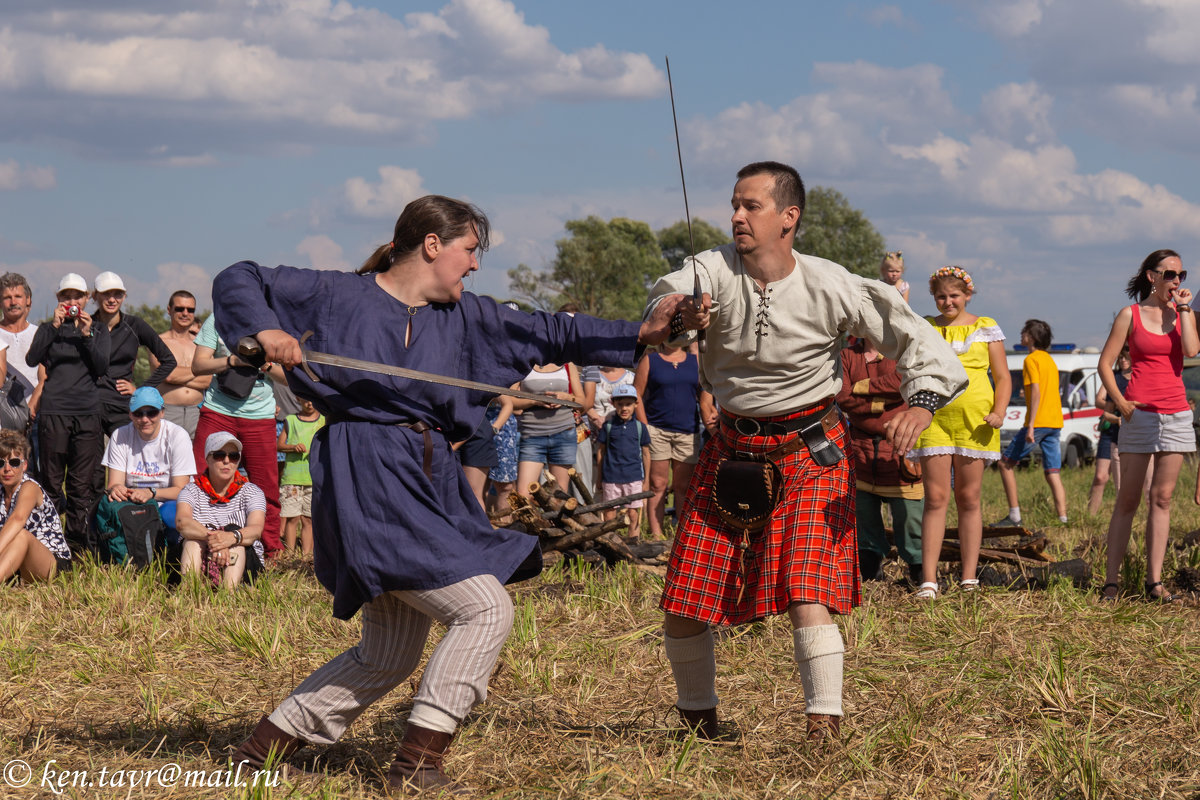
column 1041, row 694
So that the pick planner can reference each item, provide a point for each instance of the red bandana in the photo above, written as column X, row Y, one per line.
column 204, row 483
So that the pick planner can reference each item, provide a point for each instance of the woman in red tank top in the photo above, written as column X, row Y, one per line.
column 1157, row 422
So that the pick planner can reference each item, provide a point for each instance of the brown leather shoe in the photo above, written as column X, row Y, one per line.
column 418, row 764
column 703, row 723
column 266, row 741
column 823, row 727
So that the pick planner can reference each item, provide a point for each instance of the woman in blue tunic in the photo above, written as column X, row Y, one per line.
column 399, row 533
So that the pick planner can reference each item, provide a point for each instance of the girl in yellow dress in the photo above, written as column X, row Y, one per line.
column 965, row 433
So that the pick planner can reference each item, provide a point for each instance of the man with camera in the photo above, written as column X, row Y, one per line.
column 75, row 354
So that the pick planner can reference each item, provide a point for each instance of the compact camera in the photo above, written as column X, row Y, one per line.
column 73, row 311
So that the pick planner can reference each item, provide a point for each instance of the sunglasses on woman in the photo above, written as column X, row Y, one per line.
column 15, row 462
column 224, row 455
column 1170, row 274
column 146, row 413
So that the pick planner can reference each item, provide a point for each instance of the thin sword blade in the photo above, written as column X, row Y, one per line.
column 686, row 211
column 428, row 377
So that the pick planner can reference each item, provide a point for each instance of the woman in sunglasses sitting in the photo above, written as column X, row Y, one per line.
column 1157, row 421
column 150, row 458
column 220, row 517
column 31, row 536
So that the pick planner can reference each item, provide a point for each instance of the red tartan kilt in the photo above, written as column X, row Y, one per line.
column 808, row 553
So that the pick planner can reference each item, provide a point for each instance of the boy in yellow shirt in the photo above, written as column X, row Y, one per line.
column 1043, row 423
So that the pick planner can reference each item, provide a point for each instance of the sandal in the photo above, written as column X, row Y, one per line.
column 969, row 584
column 1165, row 597
column 927, row 591
column 1110, row 597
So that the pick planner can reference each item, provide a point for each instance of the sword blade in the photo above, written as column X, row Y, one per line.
column 428, row 377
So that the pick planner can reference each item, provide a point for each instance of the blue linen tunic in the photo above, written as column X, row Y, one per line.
column 379, row 523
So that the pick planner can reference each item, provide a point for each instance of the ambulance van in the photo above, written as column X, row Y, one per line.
column 1078, row 384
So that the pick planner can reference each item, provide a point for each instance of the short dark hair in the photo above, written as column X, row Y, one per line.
column 15, row 280
column 446, row 217
column 179, row 293
column 1139, row 286
column 1039, row 332
column 788, row 189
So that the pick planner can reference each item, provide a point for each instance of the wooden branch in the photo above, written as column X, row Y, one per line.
column 584, row 490
column 578, row 538
column 604, row 504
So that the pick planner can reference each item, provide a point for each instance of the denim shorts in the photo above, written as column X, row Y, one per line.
column 1046, row 438
column 557, row 448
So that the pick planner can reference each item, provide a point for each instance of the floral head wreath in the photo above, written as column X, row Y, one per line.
column 953, row 272
column 894, row 254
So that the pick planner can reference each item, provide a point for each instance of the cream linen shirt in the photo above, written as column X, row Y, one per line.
column 773, row 350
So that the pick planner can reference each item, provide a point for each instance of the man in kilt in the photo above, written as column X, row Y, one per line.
column 776, row 322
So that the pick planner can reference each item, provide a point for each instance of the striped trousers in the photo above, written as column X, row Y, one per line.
column 478, row 616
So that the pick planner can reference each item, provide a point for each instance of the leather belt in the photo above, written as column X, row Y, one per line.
column 750, row 426
column 420, row 427
column 828, row 420
column 424, row 429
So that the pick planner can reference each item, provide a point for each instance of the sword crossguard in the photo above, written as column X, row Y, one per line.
column 304, row 364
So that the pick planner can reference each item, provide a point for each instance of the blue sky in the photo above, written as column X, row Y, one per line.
column 1046, row 145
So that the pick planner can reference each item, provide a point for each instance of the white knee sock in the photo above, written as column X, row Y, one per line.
column 819, row 653
column 694, row 664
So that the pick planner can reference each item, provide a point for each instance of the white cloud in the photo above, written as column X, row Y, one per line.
column 1012, row 17
column 839, row 129
column 14, row 176
column 1018, row 112
column 397, row 187
column 322, row 252
column 286, row 71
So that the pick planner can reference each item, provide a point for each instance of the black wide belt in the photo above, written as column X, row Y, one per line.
column 750, row 426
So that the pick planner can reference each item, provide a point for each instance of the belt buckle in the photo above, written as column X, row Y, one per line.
column 752, row 426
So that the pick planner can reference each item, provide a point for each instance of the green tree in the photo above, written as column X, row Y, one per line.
column 676, row 245
column 833, row 229
column 603, row 267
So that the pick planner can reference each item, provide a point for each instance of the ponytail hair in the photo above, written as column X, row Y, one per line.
column 445, row 217
column 1139, row 286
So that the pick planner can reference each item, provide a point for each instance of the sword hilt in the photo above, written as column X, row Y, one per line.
column 251, row 351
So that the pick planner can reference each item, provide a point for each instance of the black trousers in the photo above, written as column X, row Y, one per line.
column 72, row 447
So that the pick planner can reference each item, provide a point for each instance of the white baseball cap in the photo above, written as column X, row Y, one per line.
column 107, row 281
column 72, row 280
column 216, row 441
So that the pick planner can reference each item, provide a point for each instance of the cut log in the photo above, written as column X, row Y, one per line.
column 552, row 499
column 996, row 533
column 612, row 546
column 605, row 504
column 581, row 486
column 579, row 538
column 952, row 552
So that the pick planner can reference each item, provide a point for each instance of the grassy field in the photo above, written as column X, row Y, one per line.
column 1022, row 694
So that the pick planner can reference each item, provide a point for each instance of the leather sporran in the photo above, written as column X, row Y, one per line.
column 910, row 471
column 746, row 492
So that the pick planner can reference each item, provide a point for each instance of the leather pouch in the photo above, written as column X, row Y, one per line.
column 237, row 382
column 746, row 492
column 823, row 450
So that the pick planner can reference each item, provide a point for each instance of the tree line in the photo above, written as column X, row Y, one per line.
column 606, row 268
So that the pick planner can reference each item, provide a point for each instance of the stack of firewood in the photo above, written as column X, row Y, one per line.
column 568, row 527
column 1018, row 551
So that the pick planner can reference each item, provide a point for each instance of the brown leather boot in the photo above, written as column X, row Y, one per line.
column 265, row 740
column 823, row 727
column 418, row 764
column 703, row 723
